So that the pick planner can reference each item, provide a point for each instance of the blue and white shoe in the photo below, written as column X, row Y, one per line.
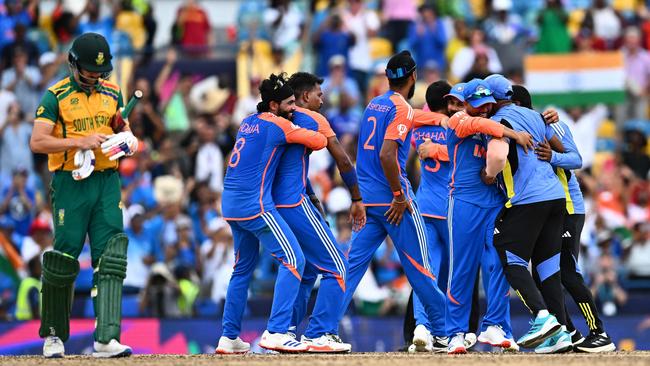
column 559, row 343
column 541, row 328
column 282, row 343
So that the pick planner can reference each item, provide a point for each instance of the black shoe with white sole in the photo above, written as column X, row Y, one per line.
column 576, row 339
column 596, row 343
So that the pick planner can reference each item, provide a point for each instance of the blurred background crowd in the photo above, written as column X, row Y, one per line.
column 199, row 64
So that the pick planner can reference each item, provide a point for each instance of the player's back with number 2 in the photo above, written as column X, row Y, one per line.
column 254, row 158
column 388, row 116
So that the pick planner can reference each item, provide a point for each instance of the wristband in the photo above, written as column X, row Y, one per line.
column 398, row 193
column 350, row 178
column 357, row 199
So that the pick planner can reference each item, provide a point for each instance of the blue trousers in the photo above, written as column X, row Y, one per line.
column 410, row 239
column 471, row 229
column 438, row 235
column 323, row 256
column 278, row 240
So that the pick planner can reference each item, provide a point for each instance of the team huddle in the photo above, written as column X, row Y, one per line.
column 496, row 193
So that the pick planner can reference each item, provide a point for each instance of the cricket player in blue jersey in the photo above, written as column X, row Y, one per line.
column 248, row 207
column 293, row 197
column 384, row 143
column 472, row 209
column 529, row 227
column 597, row 340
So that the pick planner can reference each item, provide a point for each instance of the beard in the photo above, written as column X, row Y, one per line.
column 411, row 92
column 286, row 115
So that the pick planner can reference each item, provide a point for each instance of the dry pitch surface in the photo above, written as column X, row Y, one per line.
column 355, row 359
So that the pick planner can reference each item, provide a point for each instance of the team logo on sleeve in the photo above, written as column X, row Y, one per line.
column 402, row 129
column 40, row 110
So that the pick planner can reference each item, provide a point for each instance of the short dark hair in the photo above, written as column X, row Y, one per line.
column 521, row 95
column 302, row 82
column 435, row 95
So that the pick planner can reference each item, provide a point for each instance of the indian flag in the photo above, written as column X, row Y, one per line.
column 576, row 78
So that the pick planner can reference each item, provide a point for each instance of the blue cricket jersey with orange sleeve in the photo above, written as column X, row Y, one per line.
column 387, row 117
column 252, row 165
column 467, row 146
column 289, row 187
column 433, row 192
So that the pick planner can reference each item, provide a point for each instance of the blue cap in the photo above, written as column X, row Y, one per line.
column 500, row 86
column 477, row 92
column 457, row 92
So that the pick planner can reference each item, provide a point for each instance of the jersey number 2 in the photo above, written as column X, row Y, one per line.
column 236, row 152
column 366, row 145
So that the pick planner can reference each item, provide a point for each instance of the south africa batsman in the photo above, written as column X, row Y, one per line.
column 77, row 119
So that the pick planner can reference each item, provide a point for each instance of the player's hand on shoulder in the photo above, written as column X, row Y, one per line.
column 423, row 149
column 551, row 116
column 544, row 151
column 90, row 142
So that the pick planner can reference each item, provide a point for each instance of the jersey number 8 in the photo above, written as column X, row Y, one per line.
column 236, row 152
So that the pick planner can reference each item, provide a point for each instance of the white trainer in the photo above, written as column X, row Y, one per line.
column 111, row 349
column 327, row 343
column 282, row 343
column 422, row 339
column 229, row 346
column 53, row 347
column 514, row 347
column 494, row 336
column 457, row 345
column 470, row 340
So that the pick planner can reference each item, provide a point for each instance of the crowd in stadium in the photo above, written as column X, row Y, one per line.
column 180, row 252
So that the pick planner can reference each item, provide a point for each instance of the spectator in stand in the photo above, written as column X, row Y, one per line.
column 147, row 114
column 209, row 166
column 637, row 78
column 218, row 256
column 635, row 155
column 604, row 22
column 248, row 104
column 637, row 256
column 480, row 69
column 192, row 29
column 284, row 20
column 183, row 252
column 427, row 38
column 430, row 74
column 465, row 58
column 203, row 208
column 363, row 24
column 338, row 87
column 20, row 42
column 140, row 252
column 161, row 294
column 174, row 92
column 584, row 126
column 250, row 20
column 130, row 22
column 398, row 15
column 14, row 143
column 23, row 80
column 39, row 239
column 378, row 84
column 161, row 228
column 12, row 14
column 458, row 40
column 605, row 287
column 507, row 33
column 95, row 24
column 331, row 40
column 18, row 202
column 50, row 68
column 553, row 31
column 28, row 298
